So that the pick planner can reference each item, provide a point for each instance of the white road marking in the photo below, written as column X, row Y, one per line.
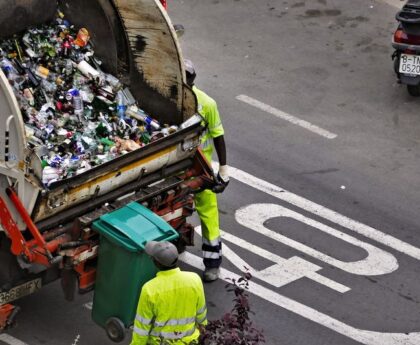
column 287, row 117
column 88, row 305
column 377, row 262
column 325, row 213
column 362, row 336
column 8, row 339
column 76, row 340
column 283, row 272
column 280, row 261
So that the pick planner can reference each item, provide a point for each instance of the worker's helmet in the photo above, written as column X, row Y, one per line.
column 190, row 72
column 165, row 253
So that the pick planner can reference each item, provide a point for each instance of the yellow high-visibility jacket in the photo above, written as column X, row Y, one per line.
column 171, row 307
column 208, row 110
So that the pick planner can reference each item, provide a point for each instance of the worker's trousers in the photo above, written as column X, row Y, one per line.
column 206, row 205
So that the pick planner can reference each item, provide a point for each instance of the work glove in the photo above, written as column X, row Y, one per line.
column 222, row 179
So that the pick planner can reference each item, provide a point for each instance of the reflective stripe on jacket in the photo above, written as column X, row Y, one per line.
column 170, row 308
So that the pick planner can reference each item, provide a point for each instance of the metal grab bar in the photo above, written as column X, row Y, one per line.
column 6, row 142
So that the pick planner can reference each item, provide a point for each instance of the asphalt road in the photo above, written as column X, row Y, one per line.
column 350, row 212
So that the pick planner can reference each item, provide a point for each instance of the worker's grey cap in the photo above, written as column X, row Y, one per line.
column 163, row 252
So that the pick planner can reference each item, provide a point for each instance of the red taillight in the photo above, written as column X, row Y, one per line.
column 401, row 36
column 163, row 2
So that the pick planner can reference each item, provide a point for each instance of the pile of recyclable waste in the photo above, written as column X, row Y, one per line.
column 76, row 116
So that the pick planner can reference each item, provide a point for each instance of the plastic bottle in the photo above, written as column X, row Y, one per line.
column 8, row 67
column 139, row 114
column 68, row 69
column 77, row 103
column 49, row 87
column 11, row 73
column 87, row 70
column 121, row 107
column 113, row 81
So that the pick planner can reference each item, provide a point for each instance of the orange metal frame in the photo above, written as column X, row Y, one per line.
column 7, row 312
column 37, row 250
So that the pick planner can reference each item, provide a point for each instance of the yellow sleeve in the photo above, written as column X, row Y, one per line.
column 213, row 120
column 144, row 319
column 201, row 317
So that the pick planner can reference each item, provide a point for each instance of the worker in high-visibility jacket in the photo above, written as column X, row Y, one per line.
column 172, row 307
column 206, row 201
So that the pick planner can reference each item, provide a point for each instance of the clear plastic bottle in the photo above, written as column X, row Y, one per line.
column 139, row 114
column 68, row 69
column 113, row 81
column 121, row 107
column 49, row 87
column 8, row 67
column 77, row 103
column 11, row 73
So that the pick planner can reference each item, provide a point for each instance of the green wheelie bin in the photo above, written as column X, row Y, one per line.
column 123, row 266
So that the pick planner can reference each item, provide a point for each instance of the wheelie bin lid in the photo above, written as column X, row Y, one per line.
column 132, row 226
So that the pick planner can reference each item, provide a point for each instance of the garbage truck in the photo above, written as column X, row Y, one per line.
column 46, row 231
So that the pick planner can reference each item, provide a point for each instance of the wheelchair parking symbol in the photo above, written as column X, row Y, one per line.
column 283, row 271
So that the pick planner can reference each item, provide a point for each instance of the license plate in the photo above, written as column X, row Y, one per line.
column 410, row 64
column 20, row 291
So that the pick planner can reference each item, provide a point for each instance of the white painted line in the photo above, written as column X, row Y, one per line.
column 88, row 305
column 325, row 213
column 287, row 117
column 294, row 264
column 277, row 275
column 8, row 339
column 362, row 336
column 320, row 279
column 76, row 340
column 316, row 277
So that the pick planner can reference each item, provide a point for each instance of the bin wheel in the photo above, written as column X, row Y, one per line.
column 115, row 329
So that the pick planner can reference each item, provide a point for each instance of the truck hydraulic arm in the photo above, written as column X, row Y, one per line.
column 37, row 250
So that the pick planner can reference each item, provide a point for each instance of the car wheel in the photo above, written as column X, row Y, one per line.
column 414, row 90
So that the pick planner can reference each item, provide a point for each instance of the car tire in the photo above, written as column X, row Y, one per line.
column 414, row 90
